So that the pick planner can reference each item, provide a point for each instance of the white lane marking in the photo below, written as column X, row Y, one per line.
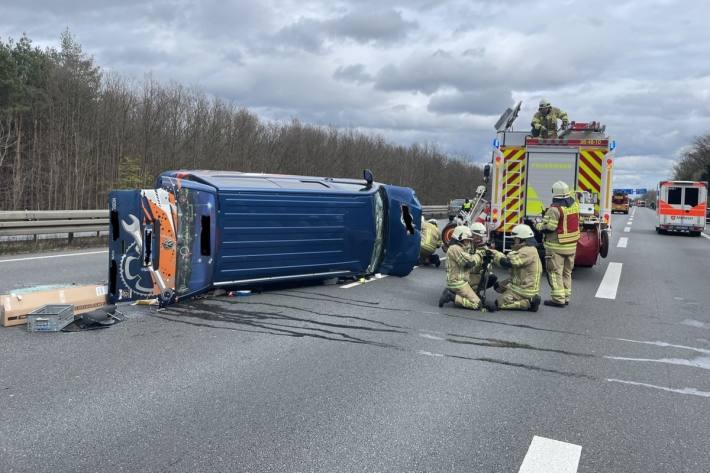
column 702, row 362
column 610, row 282
column 623, row 241
column 690, row 391
column 664, row 345
column 53, row 256
column 627, row 229
column 551, row 456
column 431, row 337
column 428, row 353
column 357, row 283
column 704, row 235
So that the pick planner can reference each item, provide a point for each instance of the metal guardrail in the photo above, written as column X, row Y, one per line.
column 44, row 222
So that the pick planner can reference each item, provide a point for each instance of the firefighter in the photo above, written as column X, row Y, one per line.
column 462, row 259
column 466, row 206
column 522, row 290
column 560, row 227
column 431, row 240
column 544, row 123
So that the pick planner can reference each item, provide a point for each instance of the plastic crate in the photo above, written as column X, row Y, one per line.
column 50, row 318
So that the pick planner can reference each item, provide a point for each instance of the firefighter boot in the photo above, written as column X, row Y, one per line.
column 534, row 303
column 552, row 303
column 492, row 306
column 446, row 296
column 435, row 260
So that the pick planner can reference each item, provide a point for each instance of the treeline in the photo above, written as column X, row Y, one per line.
column 70, row 133
column 694, row 163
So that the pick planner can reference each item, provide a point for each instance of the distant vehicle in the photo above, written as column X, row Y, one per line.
column 681, row 207
column 641, row 203
column 455, row 206
column 199, row 230
column 523, row 169
column 620, row 203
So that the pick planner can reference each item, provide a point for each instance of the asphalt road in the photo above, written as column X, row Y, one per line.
column 375, row 377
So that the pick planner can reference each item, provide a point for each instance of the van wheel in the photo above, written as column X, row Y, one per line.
column 695, row 234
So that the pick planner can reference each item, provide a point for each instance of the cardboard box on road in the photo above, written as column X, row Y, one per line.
column 15, row 306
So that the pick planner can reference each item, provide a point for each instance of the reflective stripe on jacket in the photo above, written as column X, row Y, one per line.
column 554, row 226
column 459, row 264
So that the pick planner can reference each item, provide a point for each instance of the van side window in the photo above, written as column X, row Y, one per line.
column 205, row 240
column 691, row 196
column 675, row 195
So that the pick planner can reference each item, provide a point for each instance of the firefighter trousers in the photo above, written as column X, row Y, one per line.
column 559, row 274
column 509, row 300
column 466, row 297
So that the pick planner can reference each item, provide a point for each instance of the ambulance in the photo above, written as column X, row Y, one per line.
column 523, row 169
column 681, row 207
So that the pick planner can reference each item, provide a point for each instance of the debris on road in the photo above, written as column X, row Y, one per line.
column 16, row 306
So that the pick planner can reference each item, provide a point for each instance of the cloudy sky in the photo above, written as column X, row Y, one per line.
column 418, row 70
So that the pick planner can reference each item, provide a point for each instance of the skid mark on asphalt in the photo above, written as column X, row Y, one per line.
column 551, row 456
column 497, row 343
column 349, row 299
column 687, row 391
column 342, row 301
column 610, row 282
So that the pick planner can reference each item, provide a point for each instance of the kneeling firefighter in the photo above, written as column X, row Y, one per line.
column 464, row 260
column 431, row 240
column 560, row 227
column 522, row 290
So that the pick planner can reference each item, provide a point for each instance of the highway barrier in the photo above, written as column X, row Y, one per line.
column 69, row 222
column 47, row 222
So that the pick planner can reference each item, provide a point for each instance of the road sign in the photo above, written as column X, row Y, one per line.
column 641, row 191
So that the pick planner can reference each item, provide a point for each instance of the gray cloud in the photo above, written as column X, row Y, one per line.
column 352, row 73
column 478, row 102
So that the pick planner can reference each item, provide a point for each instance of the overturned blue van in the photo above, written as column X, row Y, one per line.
column 199, row 230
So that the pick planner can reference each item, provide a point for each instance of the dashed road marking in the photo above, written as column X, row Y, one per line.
column 705, row 235
column 623, row 241
column 551, row 456
column 627, row 229
column 610, row 282
column 358, row 283
column 53, row 256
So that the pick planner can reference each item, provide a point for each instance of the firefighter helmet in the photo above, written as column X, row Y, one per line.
column 478, row 229
column 433, row 221
column 461, row 233
column 560, row 189
column 544, row 104
column 523, row 232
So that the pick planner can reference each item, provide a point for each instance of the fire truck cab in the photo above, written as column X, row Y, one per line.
column 524, row 167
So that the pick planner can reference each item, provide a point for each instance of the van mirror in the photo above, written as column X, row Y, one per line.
column 367, row 175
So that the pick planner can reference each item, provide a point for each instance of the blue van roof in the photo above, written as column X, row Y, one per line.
column 235, row 180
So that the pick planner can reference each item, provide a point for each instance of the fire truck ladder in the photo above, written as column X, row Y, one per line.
column 513, row 196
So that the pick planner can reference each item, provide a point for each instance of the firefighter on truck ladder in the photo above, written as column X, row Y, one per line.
column 431, row 240
column 522, row 290
column 560, row 227
column 464, row 260
column 544, row 123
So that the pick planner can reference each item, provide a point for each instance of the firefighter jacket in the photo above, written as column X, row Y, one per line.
column 431, row 239
column 560, row 227
column 459, row 264
column 525, row 267
column 549, row 121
